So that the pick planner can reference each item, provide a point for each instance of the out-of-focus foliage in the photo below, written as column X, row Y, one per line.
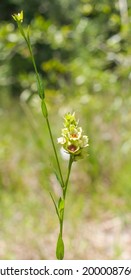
column 83, row 53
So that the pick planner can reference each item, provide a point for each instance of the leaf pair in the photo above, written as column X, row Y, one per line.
column 59, row 209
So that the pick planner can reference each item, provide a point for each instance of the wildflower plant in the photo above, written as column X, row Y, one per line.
column 72, row 140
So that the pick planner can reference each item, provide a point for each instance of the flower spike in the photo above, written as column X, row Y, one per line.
column 72, row 139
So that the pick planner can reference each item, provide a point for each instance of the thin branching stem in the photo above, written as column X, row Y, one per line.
column 27, row 39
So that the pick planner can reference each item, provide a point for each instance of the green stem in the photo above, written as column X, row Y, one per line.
column 33, row 60
column 27, row 39
column 68, row 175
column 65, row 191
column 54, row 148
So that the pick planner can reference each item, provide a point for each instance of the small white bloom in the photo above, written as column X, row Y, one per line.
column 64, row 154
column 85, row 141
column 61, row 140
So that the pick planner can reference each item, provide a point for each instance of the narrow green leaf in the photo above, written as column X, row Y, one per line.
column 28, row 34
column 54, row 204
column 44, row 109
column 61, row 204
column 58, row 178
column 40, row 87
column 60, row 248
column 21, row 29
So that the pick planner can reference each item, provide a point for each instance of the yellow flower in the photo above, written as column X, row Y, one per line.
column 18, row 17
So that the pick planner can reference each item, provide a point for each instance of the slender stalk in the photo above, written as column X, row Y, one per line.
column 32, row 57
column 33, row 60
column 65, row 191
column 68, row 175
column 27, row 39
column 55, row 152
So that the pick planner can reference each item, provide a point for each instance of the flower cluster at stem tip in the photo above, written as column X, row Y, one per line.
column 72, row 139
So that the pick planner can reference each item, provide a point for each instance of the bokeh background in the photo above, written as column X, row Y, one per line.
column 83, row 53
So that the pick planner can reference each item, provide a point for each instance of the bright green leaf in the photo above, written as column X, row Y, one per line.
column 61, row 204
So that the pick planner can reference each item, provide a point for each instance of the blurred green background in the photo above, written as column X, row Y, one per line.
column 83, row 53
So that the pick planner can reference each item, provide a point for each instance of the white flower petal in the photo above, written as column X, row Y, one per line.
column 61, row 140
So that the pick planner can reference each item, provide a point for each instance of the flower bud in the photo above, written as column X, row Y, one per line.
column 18, row 17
